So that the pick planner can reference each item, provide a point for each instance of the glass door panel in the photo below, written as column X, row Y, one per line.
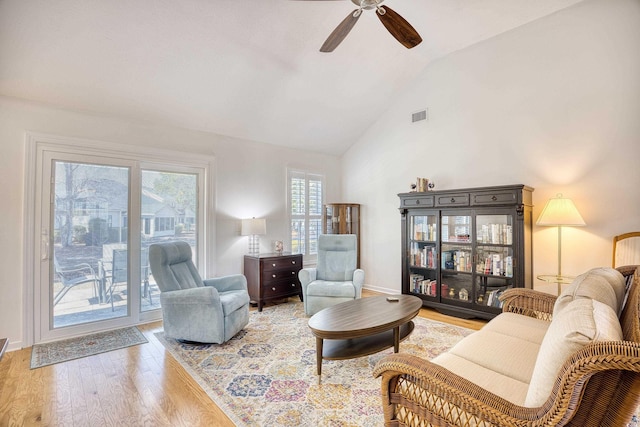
column 456, row 261
column 494, row 260
column 423, row 257
column 168, row 204
column 89, row 211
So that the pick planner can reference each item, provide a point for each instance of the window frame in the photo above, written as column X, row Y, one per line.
column 307, row 216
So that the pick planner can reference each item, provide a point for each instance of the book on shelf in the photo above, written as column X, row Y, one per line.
column 497, row 234
column 495, row 264
column 493, row 298
column 415, row 280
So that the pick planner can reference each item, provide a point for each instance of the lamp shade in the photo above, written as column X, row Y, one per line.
column 254, row 226
column 560, row 211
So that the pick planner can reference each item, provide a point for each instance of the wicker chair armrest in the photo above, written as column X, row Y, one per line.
column 417, row 392
column 594, row 358
column 528, row 302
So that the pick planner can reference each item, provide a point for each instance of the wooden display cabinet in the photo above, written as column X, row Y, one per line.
column 462, row 248
column 342, row 218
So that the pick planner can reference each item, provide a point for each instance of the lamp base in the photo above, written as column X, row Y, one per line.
column 254, row 244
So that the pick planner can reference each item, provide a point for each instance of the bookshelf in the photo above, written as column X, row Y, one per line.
column 462, row 248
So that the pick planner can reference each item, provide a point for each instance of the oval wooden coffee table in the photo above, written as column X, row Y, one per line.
column 362, row 327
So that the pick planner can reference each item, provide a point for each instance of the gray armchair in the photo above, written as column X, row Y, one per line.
column 207, row 311
column 335, row 278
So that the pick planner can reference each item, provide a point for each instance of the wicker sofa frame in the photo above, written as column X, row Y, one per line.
column 598, row 386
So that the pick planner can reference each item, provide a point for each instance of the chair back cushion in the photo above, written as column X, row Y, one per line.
column 172, row 267
column 337, row 257
column 626, row 249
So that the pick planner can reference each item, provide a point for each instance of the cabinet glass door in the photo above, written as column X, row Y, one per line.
column 494, row 260
column 423, row 254
column 456, row 261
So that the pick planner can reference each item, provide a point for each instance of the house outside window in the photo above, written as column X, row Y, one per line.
column 305, row 197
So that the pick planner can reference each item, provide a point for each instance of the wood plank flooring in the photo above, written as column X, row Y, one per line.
column 136, row 386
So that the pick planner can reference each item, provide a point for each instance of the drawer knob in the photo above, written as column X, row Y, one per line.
column 293, row 285
column 274, row 264
column 453, row 200
column 273, row 289
column 494, row 198
column 293, row 272
column 417, row 202
column 293, row 262
column 273, row 275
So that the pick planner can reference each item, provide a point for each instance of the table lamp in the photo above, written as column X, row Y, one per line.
column 253, row 228
column 559, row 212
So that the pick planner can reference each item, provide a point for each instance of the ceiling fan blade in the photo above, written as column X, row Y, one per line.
column 399, row 28
column 341, row 31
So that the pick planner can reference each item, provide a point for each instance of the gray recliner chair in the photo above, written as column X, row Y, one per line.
column 335, row 278
column 206, row 311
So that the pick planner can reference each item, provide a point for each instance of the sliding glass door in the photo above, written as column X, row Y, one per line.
column 98, row 217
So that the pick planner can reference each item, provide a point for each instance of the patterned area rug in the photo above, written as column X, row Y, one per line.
column 75, row 348
column 266, row 375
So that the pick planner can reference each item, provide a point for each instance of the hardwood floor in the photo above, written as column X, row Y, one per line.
column 137, row 386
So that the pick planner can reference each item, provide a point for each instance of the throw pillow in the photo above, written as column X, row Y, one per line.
column 582, row 321
column 600, row 284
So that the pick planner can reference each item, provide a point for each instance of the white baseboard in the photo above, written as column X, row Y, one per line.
column 381, row 290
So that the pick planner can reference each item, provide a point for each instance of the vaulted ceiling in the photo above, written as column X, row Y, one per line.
column 244, row 68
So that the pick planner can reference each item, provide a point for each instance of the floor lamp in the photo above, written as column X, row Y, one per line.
column 559, row 212
column 254, row 227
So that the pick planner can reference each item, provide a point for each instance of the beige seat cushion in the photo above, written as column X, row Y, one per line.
column 501, row 363
column 517, row 325
column 501, row 385
column 576, row 325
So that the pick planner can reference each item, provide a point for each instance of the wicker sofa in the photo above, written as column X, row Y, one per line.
column 594, row 384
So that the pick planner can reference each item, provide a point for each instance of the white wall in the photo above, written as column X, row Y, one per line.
column 250, row 181
column 554, row 105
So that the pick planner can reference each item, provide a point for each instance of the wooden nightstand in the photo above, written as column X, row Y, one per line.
column 272, row 276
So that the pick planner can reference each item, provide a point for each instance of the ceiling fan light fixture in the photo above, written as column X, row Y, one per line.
column 367, row 4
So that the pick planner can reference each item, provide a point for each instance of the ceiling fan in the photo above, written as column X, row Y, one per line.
column 394, row 23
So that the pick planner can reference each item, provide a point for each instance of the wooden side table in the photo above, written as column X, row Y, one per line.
column 272, row 276
column 554, row 278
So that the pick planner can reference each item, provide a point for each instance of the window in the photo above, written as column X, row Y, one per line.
column 306, row 196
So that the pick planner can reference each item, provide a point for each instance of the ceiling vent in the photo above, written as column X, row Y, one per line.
column 419, row 116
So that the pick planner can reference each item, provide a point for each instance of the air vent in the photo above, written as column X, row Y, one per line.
column 419, row 116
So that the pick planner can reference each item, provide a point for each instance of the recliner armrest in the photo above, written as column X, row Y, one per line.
column 307, row 275
column 234, row 282
column 193, row 296
column 358, row 281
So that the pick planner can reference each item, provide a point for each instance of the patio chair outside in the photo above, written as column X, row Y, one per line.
column 73, row 276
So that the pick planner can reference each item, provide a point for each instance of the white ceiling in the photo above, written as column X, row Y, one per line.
column 244, row 68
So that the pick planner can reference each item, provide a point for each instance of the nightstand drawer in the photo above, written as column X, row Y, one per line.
column 286, row 287
column 276, row 275
column 288, row 263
